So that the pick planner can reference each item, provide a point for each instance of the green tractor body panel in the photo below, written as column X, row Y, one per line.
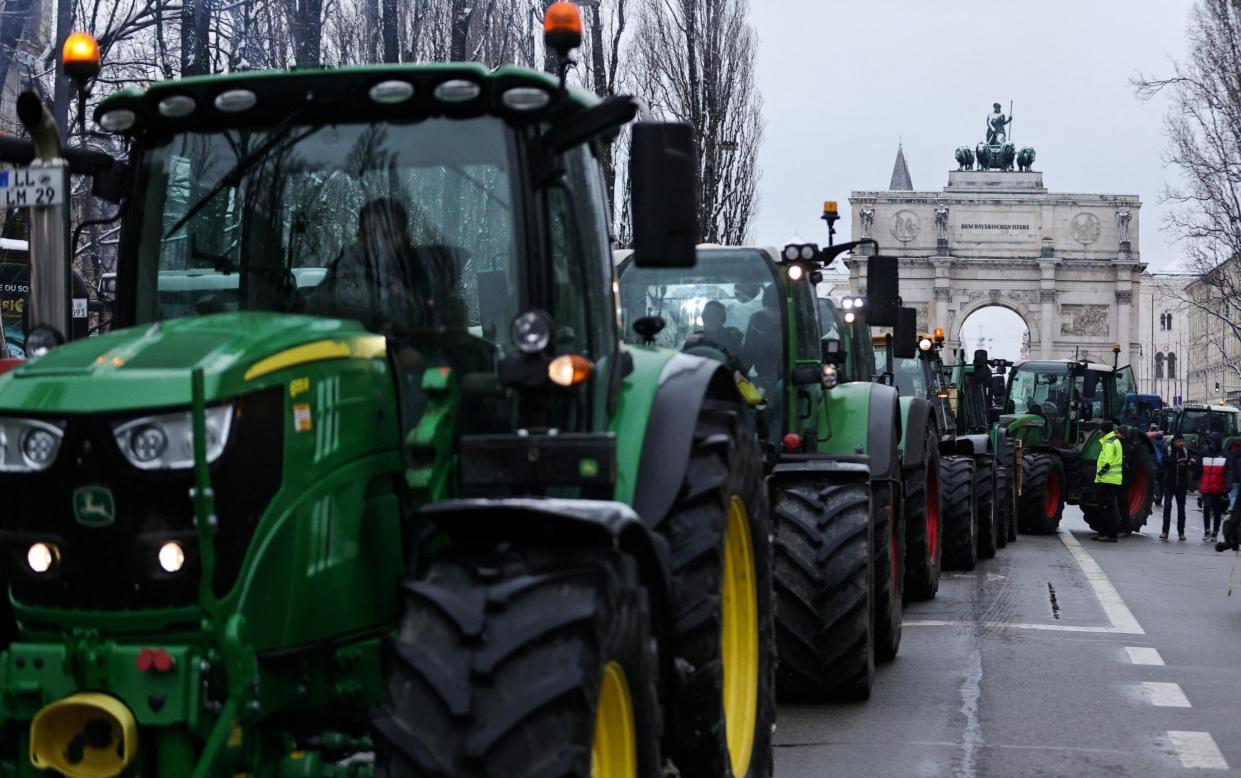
column 633, row 411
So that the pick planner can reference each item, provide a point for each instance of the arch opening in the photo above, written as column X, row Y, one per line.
column 1000, row 330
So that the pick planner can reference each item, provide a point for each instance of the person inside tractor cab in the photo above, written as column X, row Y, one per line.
column 714, row 334
column 762, row 349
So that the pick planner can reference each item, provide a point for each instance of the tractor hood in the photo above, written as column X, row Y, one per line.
column 146, row 367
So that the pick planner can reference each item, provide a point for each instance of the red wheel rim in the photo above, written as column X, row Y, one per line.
column 1137, row 491
column 1051, row 500
column 932, row 512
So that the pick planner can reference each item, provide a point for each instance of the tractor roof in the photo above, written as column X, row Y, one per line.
column 265, row 98
column 1207, row 407
column 1050, row 366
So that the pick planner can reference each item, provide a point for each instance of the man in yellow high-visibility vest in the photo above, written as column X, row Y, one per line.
column 1108, row 483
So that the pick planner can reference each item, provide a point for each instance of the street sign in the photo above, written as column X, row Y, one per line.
column 28, row 186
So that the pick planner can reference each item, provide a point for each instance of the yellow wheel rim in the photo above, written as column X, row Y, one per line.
column 739, row 641
column 614, row 752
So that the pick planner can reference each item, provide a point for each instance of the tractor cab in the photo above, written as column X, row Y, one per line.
column 1197, row 422
column 1071, row 399
column 923, row 375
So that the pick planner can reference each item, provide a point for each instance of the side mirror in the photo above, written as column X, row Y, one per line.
column 662, row 167
column 833, row 353
column 905, row 333
column 883, row 293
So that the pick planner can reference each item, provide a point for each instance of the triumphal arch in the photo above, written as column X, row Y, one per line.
column 1068, row 264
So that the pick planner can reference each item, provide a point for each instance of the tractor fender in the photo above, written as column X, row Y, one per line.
column 856, row 467
column 884, row 432
column 978, row 444
column 950, row 446
column 683, row 385
column 564, row 522
column 920, row 411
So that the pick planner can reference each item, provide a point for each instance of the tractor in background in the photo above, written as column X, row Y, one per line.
column 1055, row 410
column 830, row 438
column 977, row 412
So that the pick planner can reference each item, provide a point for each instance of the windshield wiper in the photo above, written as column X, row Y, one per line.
column 244, row 165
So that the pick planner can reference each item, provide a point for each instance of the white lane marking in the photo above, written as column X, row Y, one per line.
column 1014, row 625
column 971, row 692
column 1165, row 695
column 1140, row 655
column 1123, row 621
column 1197, row 749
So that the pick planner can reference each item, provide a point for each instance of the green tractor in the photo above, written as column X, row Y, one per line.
column 1198, row 421
column 978, row 389
column 424, row 516
column 1053, row 410
column 830, row 443
column 966, row 465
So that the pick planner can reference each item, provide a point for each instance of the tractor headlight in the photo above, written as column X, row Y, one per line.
column 28, row 446
column 830, row 376
column 41, row 557
column 531, row 331
column 166, row 442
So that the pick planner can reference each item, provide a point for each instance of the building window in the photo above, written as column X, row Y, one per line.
column 1171, row 364
column 1165, row 321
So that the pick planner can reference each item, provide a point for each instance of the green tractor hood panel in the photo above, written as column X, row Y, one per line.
column 151, row 366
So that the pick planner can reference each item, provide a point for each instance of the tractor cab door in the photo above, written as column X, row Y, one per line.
column 1122, row 384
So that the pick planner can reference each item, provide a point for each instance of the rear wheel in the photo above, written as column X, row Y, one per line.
column 521, row 661
column 956, row 475
column 1003, row 507
column 1041, row 502
column 985, row 505
column 888, row 547
column 825, row 590
column 719, row 536
column 923, row 528
column 1140, row 488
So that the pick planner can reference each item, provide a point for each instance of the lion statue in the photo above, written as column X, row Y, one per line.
column 1025, row 159
column 982, row 152
column 965, row 158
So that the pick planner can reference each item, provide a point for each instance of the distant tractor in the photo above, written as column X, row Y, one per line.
column 1055, row 410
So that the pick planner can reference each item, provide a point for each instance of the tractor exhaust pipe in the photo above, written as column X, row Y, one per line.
column 49, row 227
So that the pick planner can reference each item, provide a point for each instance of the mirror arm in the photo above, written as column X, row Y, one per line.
column 612, row 113
column 829, row 254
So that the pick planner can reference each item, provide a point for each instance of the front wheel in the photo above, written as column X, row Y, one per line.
column 923, row 528
column 956, row 475
column 1003, row 506
column 985, row 506
column 521, row 661
column 1041, row 503
column 719, row 537
column 1140, row 487
column 825, row 590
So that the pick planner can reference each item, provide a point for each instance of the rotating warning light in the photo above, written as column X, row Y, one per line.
column 562, row 26
column 830, row 208
column 939, row 334
column 80, row 56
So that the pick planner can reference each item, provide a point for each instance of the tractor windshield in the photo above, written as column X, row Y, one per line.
column 914, row 376
column 1204, row 421
column 406, row 227
column 727, row 306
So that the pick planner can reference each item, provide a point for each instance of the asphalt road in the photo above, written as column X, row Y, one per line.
column 1060, row 657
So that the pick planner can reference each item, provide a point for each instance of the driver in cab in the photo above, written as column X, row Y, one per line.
column 714, row 333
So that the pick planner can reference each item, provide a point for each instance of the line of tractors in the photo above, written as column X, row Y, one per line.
column 384, row 468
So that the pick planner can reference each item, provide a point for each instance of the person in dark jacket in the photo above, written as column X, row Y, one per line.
column 1213, row 487
column 1177, row 464
column 1232, row 472
column 1161, row 455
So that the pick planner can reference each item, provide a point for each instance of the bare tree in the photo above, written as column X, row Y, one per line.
column 1203, row 126
column 697, row 59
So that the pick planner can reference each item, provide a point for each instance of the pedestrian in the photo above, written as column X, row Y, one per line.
column 1161, row 455
column 1213, row 487
column 1174, row 484
column 1232, row 471
column 1109, row 475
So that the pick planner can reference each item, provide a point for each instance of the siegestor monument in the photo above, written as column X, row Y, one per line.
column 1067, row 263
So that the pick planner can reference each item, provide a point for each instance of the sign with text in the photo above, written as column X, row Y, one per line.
column 30, row 186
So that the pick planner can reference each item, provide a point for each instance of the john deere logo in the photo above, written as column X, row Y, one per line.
column 93, row 506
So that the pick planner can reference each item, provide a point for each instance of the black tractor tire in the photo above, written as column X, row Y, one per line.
column 825, row 590
column 499, row 659
column 888, row 548
column 956, row 478
column 1041, row 503
column 724, row 474
column 1003, row 506
column 924, row 526
column 985, row 505
column 1139, row 493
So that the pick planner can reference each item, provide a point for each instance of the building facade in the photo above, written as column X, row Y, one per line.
column 1214, row 348
column 1164, row 362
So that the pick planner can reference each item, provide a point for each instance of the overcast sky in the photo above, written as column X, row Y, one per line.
column 844, row 82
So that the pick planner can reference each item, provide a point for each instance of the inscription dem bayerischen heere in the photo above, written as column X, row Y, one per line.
column 995, row 226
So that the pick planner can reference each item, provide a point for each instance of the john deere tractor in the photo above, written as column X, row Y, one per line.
column 831, row 451
column 363, row 481
column 977, row 412
column 1055, row 409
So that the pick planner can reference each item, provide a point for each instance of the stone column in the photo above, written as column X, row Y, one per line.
column 1047, row 296
column 1049, row 324
column 942, row 295
column 1124, row 301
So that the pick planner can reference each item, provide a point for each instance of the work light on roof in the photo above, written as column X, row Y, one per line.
column 457, row 90
column 791, row 252
column 847, row 303
column 235, row 100
column 525, row 98
column 391, row 92
column 177, row 106
column 117, row 120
